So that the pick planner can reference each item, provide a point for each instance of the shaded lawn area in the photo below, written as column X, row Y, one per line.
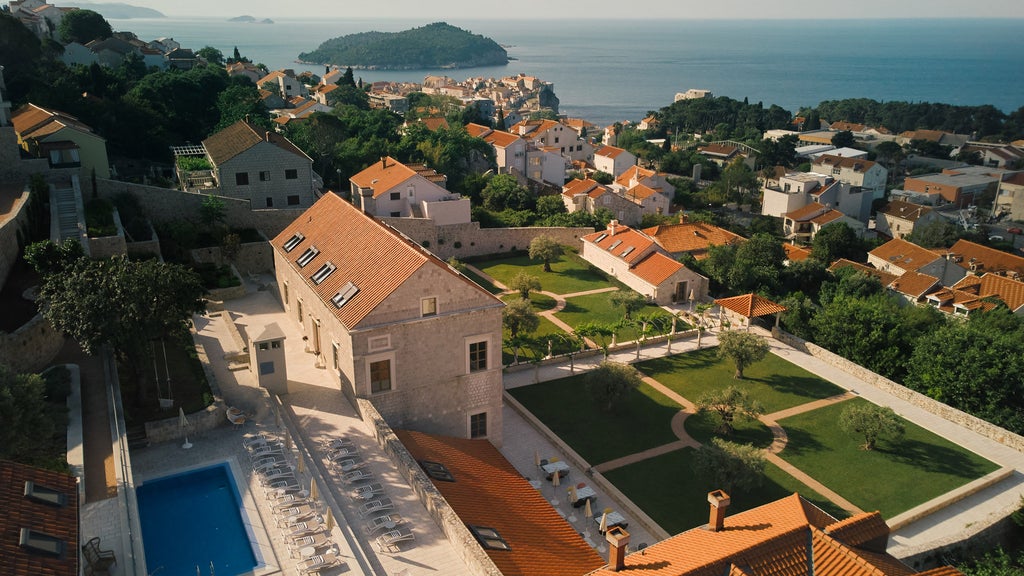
column 483, row 282
column 775, row 382
column 666, row 489
column 641, row 421
column 597, row 308
column 569, row 273
column 546, row 331
column 701, row 427
column 917, row 468
column 540, row 302
column 189, row 388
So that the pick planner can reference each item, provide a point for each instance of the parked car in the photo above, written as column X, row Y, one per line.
column 1014, row 230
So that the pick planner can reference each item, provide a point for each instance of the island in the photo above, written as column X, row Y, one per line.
column 250, row 20
column 117, row 10
column 437, row 45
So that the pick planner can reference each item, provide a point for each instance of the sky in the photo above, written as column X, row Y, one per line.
column 590, row 9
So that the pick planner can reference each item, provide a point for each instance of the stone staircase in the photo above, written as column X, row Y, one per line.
column 67, row 214
column 137, row 437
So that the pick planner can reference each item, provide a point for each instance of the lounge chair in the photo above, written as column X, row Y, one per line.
column 388, row 541
column 385, row 522
column 282, row 487
column 277, row 474
column 356, row 476
column 289, row 501
column 318, row 563
column 342, row 453
column 266, row 450
column 336, row 443
column 296, row 512
column 315, row 541
column 254, row 440
column 97, row 561
column 299, row 529
column 375, row 506
column 346, row 465
column 267, row 461
column 367, row 491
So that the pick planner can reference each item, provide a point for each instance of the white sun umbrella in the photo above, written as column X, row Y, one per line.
column 536, row 459
column 554, row 484
column 314, row 493
column 588, row 513
column 301, row 462
column 573, row 497
column 330, row 519
column 183, row 422
column 604, row 523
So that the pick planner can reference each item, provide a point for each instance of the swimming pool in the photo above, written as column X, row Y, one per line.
column 193, row 519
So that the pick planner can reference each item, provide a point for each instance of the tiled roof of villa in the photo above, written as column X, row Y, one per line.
column 22, row 512
column 808, row 213
column 377, row 264
column 241, row 136
column 635, row 171
column 986, row 259
column 885, row 278
column 488, row 491
column 904, row 254
column 627, row 244
column 656, row 267
column 905, row 210
column 609, row 151
column 1010, row 291
column 914, row 284
column 383, row 176
column 723, row 150
column 777, row 539
column 795, row 253
column 855, row 164
column 589, row 187
column 750, row 305
column 434, row 123
column 691, row 237
column 843, row 126
column 32, row 121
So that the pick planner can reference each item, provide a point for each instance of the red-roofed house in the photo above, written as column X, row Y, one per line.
column 39, row 523
column 65, row 141
column 897, row 219
column 693, row 238
column 865, row 174
column 627, row 206
column 785, row 537
column 801, row 225
column 510, row 151
column 980, row 259
column 392, row 323
column 555, row 135
column 285, row 84
column 612, row 160
column 255, row 164
column 900, row 256
column 1010, row 291
column 1010, row 198
column 720, row 154
column 516, row 528
column 391, row 189
column 636, row 259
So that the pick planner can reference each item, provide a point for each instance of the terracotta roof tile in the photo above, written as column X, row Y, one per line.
column 489, row 492
column 808, row 212
column 639, row 172
column 378, row 263
column 986, row 259
column 904, row 254
column 20, row 512
column 621, row 241
column 826, row 217
column 905, row 210
column 796, row 253
column 718, row 150
column 843, row 126
column 241, row 136
column 691, row 237
column 750, row 305
column 383, row 176
column 577, row 186
column 863, row 529
column 1010, row 291
column 32, row 121
column 914, row 284
column 656, row 267
column 609, row 151
column 855, row 164
column 434, row 123
column 885, row 278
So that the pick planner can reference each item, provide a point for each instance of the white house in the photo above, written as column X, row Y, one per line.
column 866, row 174
column 612, row 160
column 391, row 189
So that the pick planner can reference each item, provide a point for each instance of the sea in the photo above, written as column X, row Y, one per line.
column 615, row 70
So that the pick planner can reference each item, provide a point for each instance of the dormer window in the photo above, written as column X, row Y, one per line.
column 42, row 543
column 599, row 238
column 627, row 251
column 323, row 273
column 437, row 471
column 44, row 494
column 307, row 256
column 489, row 538
column 293, row 242
column 347, row 292
column 614, row 245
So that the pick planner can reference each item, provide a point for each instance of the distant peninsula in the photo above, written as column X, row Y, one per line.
column 116, row 10
column 250, row 20
column 437, row 45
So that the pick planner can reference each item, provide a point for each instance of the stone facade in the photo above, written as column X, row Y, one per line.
column 31, row 347
column 252, row 257
column 469, row 239
column 274, row 177
column 108, row 246
column 11, row 224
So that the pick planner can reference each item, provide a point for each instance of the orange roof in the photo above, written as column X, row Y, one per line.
column 31, row 121
column 826, row 217
column 777, row 539
column 930, row 135
column 377, row 264
column 489, row 492
column 532, row 128
column 986, row 259
column 855, row 164
column 1010, row 291
column 434, row 123
column 588, row 187
column 478, row 130
column 21, row 512
column 241, row 136
column 656, row 267
column 843, row 126
column 609, row 151
column 914, row 284
column 795, row 253
column 885, row 278
column 718, row 150
column 905, row 210
column 904, row 254
column 691, row 237
column 383, row 176
column 808, row 212
column 636, row 171
column 625, row 243
column 750, row 305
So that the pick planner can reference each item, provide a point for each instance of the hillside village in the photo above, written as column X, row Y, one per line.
column 439, row 327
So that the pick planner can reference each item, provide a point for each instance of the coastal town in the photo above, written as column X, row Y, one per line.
column 260, row 321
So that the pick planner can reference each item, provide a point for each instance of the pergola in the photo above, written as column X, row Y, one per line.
column 751, row 306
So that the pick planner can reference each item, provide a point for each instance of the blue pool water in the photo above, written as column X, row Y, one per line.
column 192, row 519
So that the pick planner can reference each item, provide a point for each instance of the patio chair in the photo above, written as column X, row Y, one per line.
column 543, row 462
column 267, row 462
column 277, row 474
column 255, row 439
column 346, row 465
column 315, row 541
column 387, row 521
column 388, row 542
column 341, row 453
column 367, row 491
column 282, row 487
column 266, row 450
column 295, row 528
column 318, row 563
column 97, row 561
column 304, row 512
column 375, row 506
column 289, row 501
column 336, row 443
column 356, row 476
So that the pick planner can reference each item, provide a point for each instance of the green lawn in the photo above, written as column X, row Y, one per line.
column 702, row 428
column 776, row 383
column 916, row 469
column 540, row 302
column 667, row 490
column 546, row 331
column 483, row 282
column 641, row 421
column 596, row 308
column 569, row 273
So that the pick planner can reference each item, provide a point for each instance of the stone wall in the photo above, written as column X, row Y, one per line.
column 107, row 246
column 31, row 347
column 231, row 293
column 145, row 247
column 949, row 413
column 252, row 258
column 469, row 239
column 466, row 546
column 170, row 428
column 10, row 224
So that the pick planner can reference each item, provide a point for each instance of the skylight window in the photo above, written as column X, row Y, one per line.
column 437, row 471
column 347, row 292
column 489, row 538
column 44, row 494
column 41, row 543
column 293, row 242
column 307, row 256
column 628, row 250
column 614, row 245
column 323, row 273
column 599, row 238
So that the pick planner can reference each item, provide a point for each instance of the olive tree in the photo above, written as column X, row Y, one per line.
column 871, row 422
column 610, row 382
column 743, row 348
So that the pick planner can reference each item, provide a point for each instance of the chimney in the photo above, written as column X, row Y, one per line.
column 719, row 501
column 383, row 162
column 611, row 226
column 268, row 136
column 618, row 541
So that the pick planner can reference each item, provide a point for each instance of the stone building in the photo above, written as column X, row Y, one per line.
column 392, row 323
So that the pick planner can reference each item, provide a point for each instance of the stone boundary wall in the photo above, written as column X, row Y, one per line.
column 231, row 293
column 948, row 499
column 31, row 347
column 624, row 503
column 949, row 413
column 167, row 204
column 13, row 222
column 204, row 420
column 107, row 246
column 252, row 258
column 145, row 247
column 447, row 520
column 469, row 239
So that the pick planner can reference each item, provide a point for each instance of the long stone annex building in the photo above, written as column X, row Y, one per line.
column 393, row 323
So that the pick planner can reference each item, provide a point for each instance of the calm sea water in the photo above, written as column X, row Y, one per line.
column 606, row 71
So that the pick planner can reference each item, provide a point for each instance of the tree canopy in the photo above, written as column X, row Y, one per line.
column 871, row 422
column 610, row 382
column 83, row 26
column 519, row 318
column 730, row 466
column 545, row 248
column 729, row 404
column 27, row 420
column 743, row 348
